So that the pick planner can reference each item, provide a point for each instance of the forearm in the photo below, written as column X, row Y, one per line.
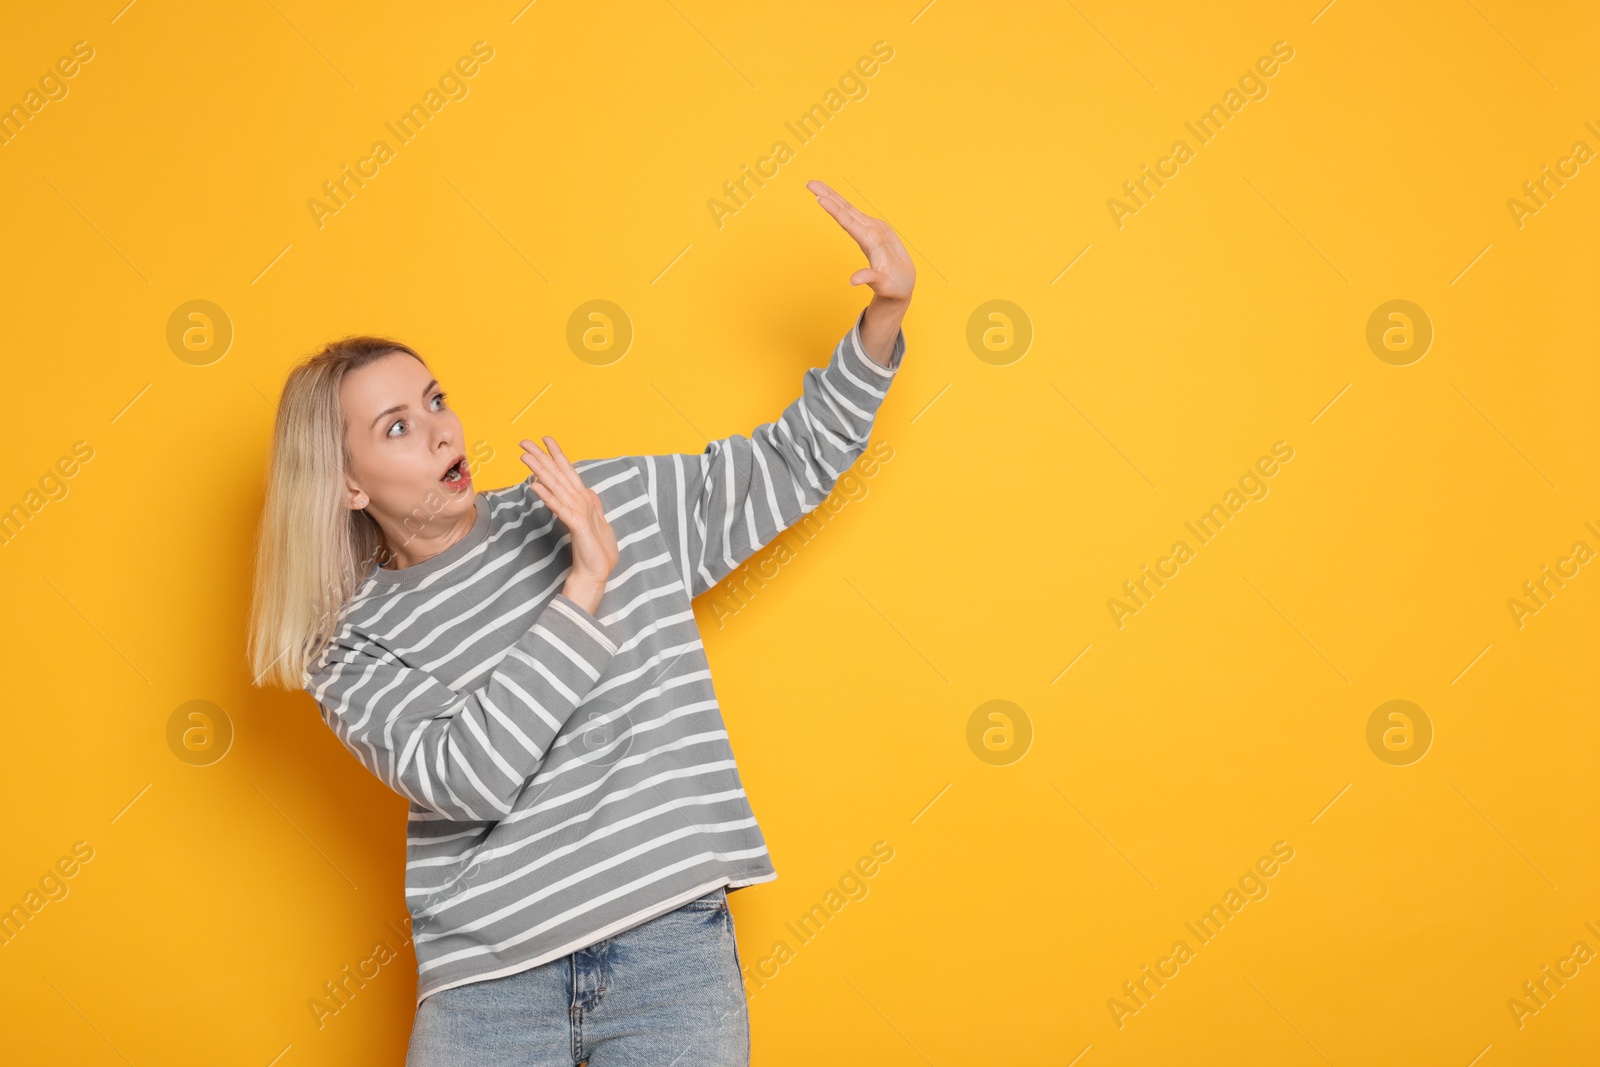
column 880, row 326
column 464, row 755
column 719, row 507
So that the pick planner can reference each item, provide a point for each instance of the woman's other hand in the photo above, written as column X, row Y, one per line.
column 594, row 544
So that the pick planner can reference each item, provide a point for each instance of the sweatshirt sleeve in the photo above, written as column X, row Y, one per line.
column 719, row 507
column 463, row 755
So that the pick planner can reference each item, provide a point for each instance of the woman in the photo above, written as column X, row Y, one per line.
column 523, row 665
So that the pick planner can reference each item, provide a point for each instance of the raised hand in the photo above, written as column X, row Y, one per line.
column 890, row 273
column 594, row 543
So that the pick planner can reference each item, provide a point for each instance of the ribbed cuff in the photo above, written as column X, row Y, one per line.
column 585, row 623
column 865, row 361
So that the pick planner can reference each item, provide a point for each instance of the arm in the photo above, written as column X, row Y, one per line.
column 879, row 330
column 465, row 756
column 719, row 507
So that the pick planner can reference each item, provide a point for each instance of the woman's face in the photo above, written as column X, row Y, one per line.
column 403, row 440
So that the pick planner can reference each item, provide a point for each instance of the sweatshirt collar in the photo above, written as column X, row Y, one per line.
column 407, row 577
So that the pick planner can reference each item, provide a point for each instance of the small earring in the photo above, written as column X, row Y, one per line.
column 361, row 502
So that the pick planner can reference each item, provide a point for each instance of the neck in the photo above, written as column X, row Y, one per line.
column 419, row 548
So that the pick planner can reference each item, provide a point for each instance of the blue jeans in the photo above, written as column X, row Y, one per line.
column 665, row 993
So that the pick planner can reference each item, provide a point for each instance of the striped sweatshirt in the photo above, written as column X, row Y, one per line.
column 569, row 774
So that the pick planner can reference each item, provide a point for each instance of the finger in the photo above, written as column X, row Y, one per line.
column 560, row 502
column 844, row 206
column 567, row 499
column 550, row 467
column 533, row 456
column 564, row 464
column 862, row 228
column 844, row 214
column 545, row 471
column 555, row 498
column 860, row 232
column 862, row 219
column 844, row 211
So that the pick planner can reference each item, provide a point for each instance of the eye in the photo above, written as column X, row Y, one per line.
column 401, row 422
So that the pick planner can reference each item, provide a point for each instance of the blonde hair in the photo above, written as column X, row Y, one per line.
column 312, row 551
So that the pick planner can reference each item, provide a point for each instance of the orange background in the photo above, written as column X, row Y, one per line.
column 1133, row 375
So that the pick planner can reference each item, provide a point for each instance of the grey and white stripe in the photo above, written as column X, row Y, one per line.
column 568, row 773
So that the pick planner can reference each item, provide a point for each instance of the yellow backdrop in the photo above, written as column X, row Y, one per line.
column 1207, row 644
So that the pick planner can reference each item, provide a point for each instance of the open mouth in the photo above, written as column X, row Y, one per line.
column 456, row 475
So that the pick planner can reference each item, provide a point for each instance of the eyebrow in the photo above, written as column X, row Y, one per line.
column 401, row 407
